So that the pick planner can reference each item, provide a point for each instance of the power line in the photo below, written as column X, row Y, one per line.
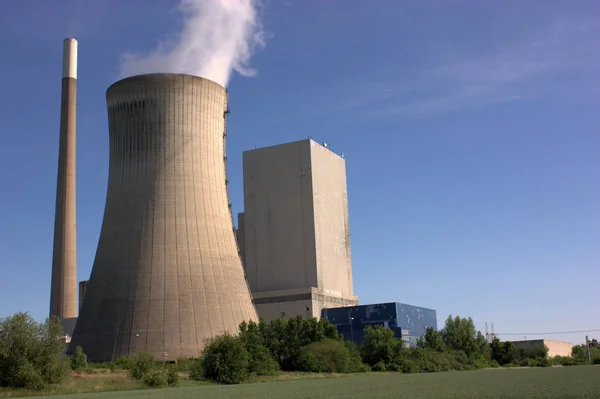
column 548, row 333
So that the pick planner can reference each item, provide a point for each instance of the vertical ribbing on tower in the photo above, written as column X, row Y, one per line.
column 63, row 292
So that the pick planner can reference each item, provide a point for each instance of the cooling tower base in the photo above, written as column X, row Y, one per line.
column 167, row 275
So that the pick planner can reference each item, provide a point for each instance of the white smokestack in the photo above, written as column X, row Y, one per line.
column 218, row 36
column 70, row 58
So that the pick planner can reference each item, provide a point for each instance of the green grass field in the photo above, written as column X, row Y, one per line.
column 556, row 382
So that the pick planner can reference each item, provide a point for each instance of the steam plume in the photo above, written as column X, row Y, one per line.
column 218, row 36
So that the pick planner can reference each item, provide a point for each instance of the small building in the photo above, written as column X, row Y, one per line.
column 408, row 322
column 555, row 348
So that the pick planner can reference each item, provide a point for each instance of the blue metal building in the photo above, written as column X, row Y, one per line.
column 408, row 322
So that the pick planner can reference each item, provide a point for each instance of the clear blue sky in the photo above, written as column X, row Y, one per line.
column 471, row 132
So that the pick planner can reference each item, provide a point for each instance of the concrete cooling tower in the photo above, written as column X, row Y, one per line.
column 167, row 274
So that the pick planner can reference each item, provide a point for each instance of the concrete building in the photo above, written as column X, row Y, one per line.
column 82, row 288
column 406, row 321
column 294, row 230
column 555, row 348
column 167, row 274
column 63, row 290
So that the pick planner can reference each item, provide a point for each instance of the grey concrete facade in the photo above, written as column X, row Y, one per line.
column 167, row 274
column 82, row 288
column 295, row 230
column 63, row 290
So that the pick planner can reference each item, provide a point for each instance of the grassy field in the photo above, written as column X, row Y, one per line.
column 556, row 382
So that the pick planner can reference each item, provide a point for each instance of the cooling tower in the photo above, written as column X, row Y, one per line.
column 63, row 289
column 167, row 274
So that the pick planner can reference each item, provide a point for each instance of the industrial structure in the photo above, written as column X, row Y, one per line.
column 167, row 274
column 63, row 290
column 555, row 348
column 294, row 232
column 82, row 288
column 408, row 322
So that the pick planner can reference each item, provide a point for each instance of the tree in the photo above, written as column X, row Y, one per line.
column 380, row 345
column 79, row 360
column 432, row 339
column 285, row 337
column 325, row 357
column 261, row 360
column 579, row 352
column 504, row 352
column 225, row 360
column 461, row 334
column 31, row 353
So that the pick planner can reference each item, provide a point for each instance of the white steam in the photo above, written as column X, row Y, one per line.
column 217, row 36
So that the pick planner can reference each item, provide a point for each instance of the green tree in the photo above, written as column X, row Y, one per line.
column 579, row 352
column 503, row 352
column 433, row 340
column 380, row 345
column 143, row 364
column 327, row 356
column 261, row 360
column 79, row 360
column 284, row 337
column 460, row 334
column 31, row 353
column 226, row 360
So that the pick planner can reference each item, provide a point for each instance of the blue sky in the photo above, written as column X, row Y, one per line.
column 471, row 132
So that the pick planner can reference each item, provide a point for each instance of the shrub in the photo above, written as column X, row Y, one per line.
column 29, row 377
column 403, row 365
column 379, row 366
column 184, row 364
column 261, row 362
column 596, row 360
column 155, row 378
column 196, row 370
column 426, row 360
column 225, row 360
column 379, row 345
column 172, row 376
column 324, row 357
column 31, row 353
column 564, row 361
column 539, row 362
column 355, row 365
column 482, row 363
column 124, row 363
column 79, row 360
column 143, row 364
column 284, row 337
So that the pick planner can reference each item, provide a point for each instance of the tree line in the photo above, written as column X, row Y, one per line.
column 31, row 353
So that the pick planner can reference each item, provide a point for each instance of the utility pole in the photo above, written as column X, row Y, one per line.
column 587, row 345
column 487, row 335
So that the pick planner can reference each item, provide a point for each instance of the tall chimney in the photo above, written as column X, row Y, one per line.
column 63, row 293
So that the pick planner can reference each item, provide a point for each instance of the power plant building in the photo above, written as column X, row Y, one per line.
column 294, row 232
column 555, row 348
column 82, row 287
column 408, row 322
column 167, row 274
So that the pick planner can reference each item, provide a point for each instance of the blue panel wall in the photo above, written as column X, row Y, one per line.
column 412, row 320
column 415, row 320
